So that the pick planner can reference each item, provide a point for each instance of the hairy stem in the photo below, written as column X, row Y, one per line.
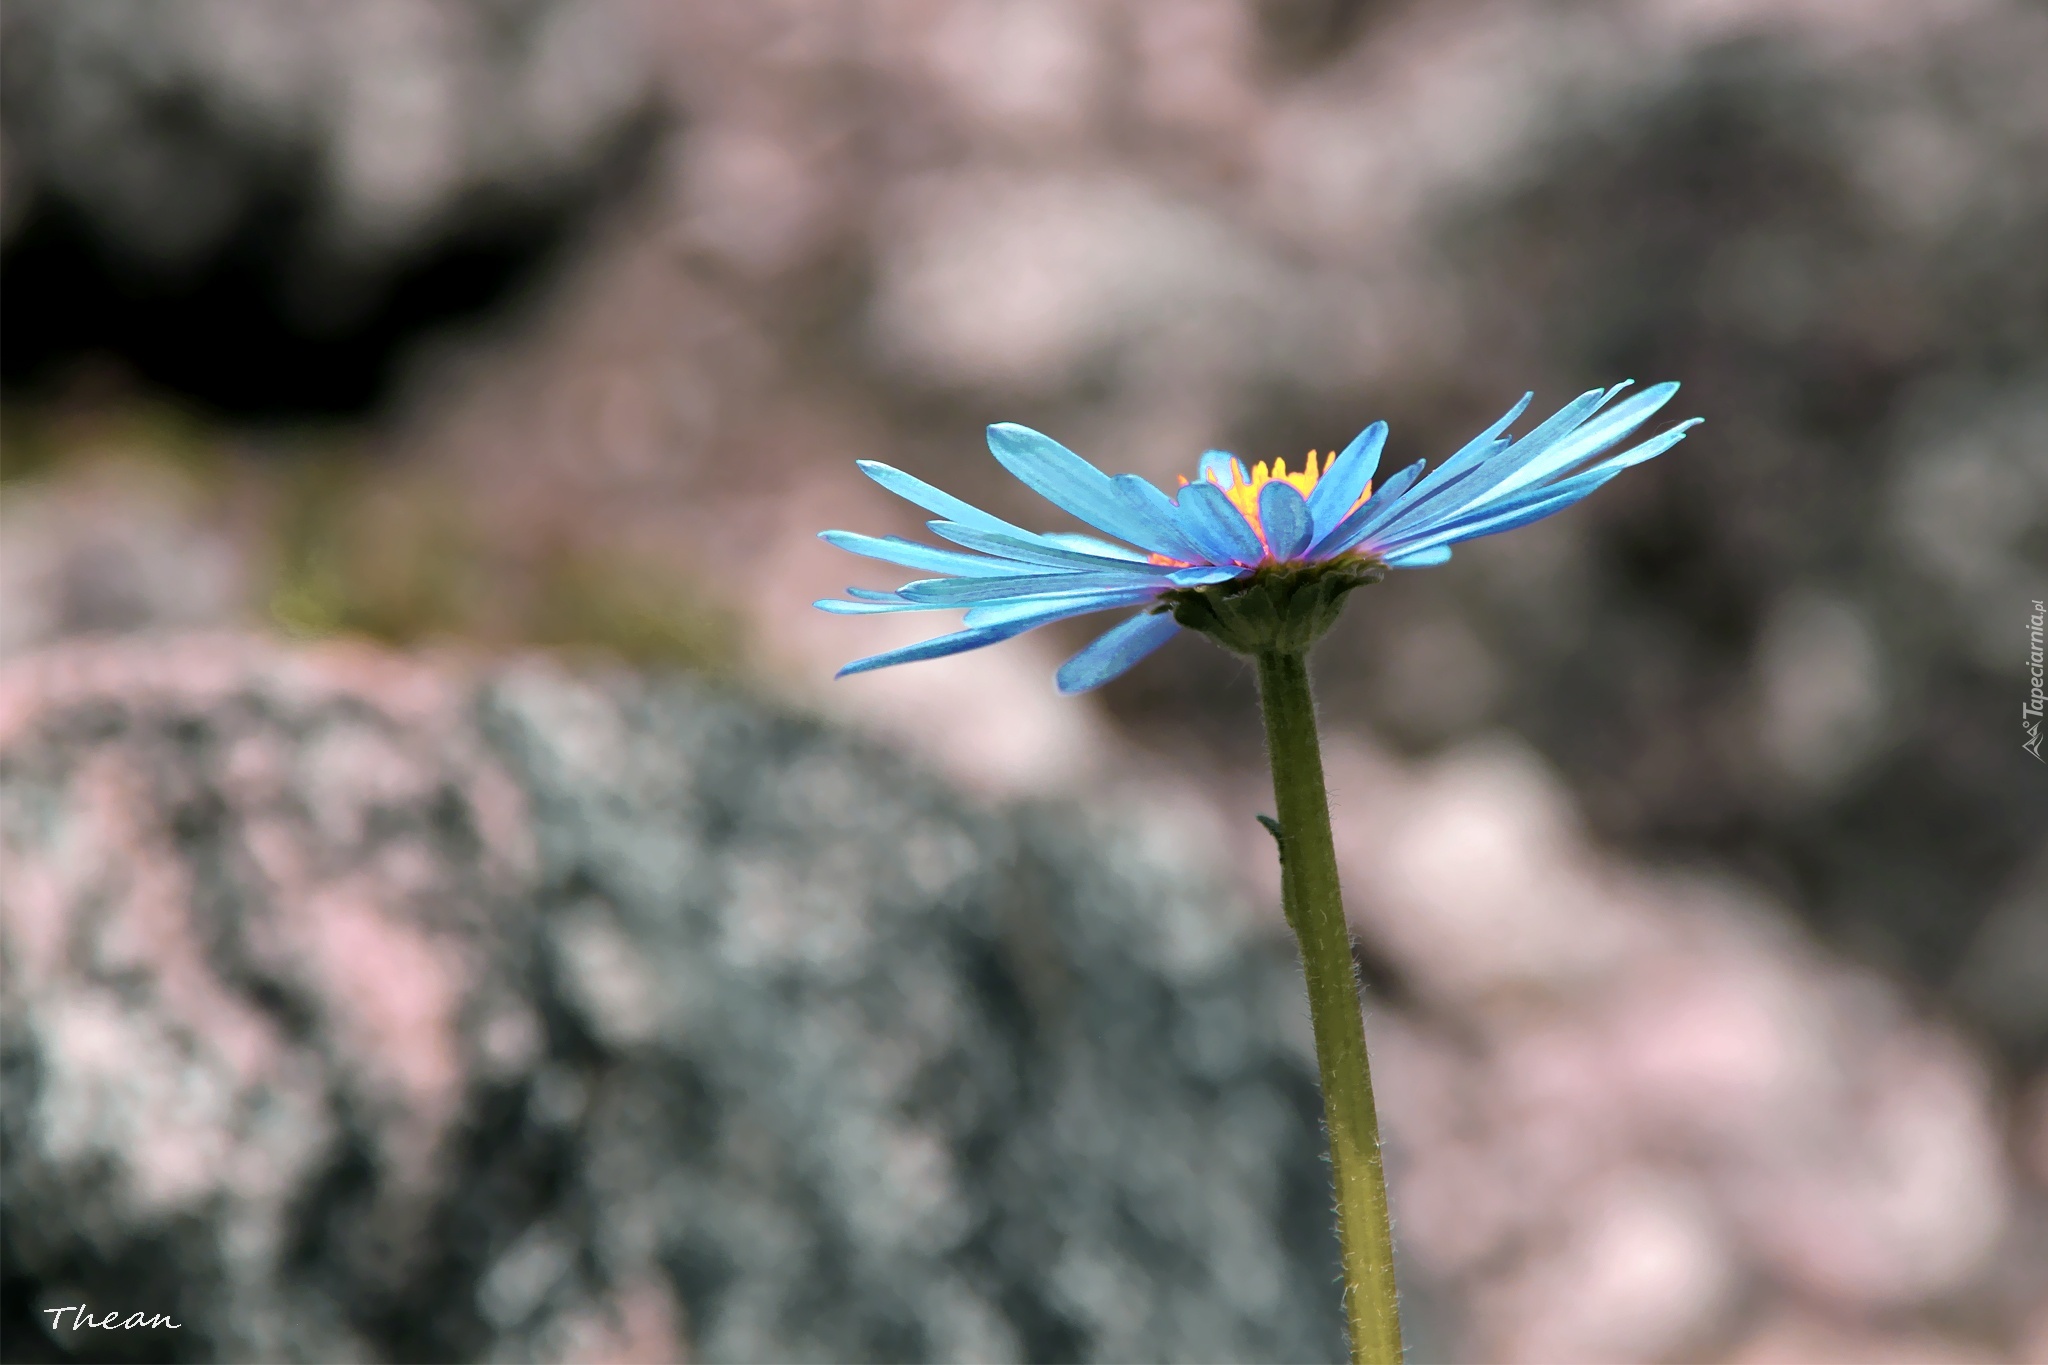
column 1315, row 910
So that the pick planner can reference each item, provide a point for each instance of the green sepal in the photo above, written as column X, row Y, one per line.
column 1277, row 607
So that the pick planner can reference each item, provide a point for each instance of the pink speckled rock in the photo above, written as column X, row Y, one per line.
column 360, row 1007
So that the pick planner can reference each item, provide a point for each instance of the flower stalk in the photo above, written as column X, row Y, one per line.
column 1259, row 560
column 1315, row 911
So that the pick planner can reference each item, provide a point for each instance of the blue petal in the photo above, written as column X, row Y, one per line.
column 1345, row 478
column 1438, row 495
column 1036, row 552
column 1410, row 532
column 1209, row 519
column 1522, row 510
column 913, row 489
column 959, row 642
column 1091, row 545
column 1067, row 481
column 1649, row 449
column 870, row 595
column 1056, row 606
column 1387, row 501
column 1487, row 461
column 1114, row 652
column 1471, row 475
column 1202, row 575
column 960, row 592
column 1222, row 468
column 1565, row 495
column 1592, row 438
column 1568, row 418
column 1384, row 502
column 1284, row 514
column 1475, row 452
column 870, row 608
column 910, row 554
column 1420, row 559
column 1489, row 508
column 1161, row 517
column 1548, row 433
column 1502, row 470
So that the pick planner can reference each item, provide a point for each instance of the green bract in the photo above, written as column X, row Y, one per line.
column 1277, row 607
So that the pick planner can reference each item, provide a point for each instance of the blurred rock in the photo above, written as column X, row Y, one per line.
column 1788, row 649
column 167, row 126
column 115, row 546
column 359, row 1009
column 265, row 206
column 1624, row 1108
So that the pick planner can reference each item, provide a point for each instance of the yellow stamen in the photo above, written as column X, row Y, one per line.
column 1245, row 496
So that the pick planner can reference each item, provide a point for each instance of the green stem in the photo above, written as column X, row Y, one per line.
column 1315, row 909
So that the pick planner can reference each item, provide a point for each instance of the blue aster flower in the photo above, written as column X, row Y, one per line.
column 1256, row 558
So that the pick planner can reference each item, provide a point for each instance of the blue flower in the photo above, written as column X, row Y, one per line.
column 1230, row 526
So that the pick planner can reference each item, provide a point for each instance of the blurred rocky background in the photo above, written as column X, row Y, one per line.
column 364, row 1010
column 515, row 351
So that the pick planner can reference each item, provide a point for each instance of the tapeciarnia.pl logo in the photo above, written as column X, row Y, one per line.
column 2030, row 714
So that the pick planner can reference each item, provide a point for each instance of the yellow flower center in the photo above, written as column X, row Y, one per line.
column 1245, row 496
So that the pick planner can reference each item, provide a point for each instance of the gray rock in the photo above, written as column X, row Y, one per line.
column 331, row 145
column 355, row 1010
